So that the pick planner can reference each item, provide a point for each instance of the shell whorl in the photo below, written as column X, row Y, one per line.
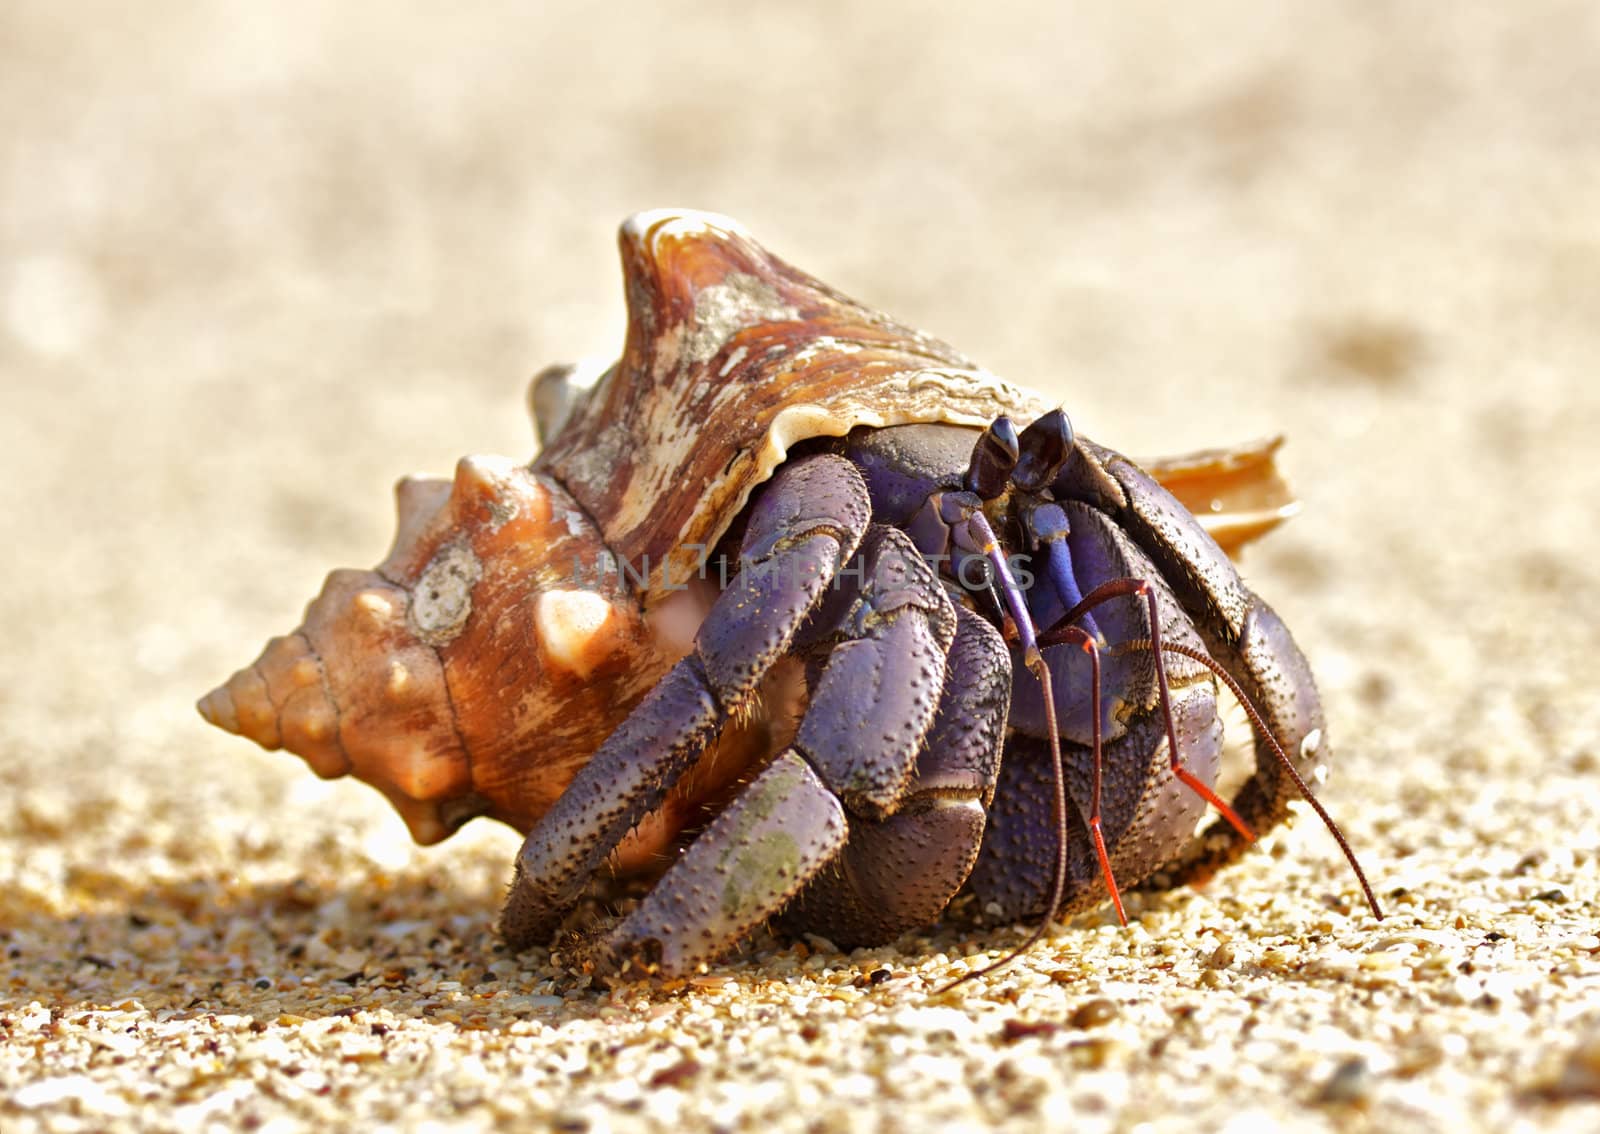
column 732, row 356
column 456, row 676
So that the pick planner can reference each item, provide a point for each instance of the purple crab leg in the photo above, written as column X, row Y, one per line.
column 876, row 696
column 783, row 827
column 624, row 781
column 807, row 522
column 901, row 873
column 870, row 711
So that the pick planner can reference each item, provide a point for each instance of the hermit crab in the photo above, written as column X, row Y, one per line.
column 812, row 617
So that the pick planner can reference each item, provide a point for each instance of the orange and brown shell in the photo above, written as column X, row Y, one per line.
column 732, row 357
column 487, row 657
column 464, row 657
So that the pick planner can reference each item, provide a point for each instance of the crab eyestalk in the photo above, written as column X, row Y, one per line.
column 465, row 674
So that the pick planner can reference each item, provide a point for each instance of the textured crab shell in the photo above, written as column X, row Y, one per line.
column 733, row 357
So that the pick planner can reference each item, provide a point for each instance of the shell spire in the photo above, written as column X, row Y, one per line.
column 455, row 676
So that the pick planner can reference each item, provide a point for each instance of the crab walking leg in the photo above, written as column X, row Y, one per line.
column 805, row 525
column 886, row 639
column 871, row 709
column 748, row 863
column 899, row 873
column 1251, row 642
column 626, row 779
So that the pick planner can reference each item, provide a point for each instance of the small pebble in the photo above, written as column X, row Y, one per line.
column 1014, row 1030
column 1580, row 1073
column 1093, row 1013
column 1350, row 1084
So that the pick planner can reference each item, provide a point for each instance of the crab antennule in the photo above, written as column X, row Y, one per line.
column 1019, row 623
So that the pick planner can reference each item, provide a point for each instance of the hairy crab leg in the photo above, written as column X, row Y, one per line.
column 806, row 524
column 900, row 873
column 625, row 780
column 780, row 829
column 855, row 753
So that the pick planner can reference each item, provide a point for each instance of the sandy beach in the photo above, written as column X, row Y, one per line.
column 258, row 262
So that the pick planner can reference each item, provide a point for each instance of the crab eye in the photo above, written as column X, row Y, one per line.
column 993, row 458
column 1043, row 451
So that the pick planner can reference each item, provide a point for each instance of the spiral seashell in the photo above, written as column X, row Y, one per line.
column 465, row 673
column 478, row 666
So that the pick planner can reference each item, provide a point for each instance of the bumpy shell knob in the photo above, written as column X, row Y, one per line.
column 464, row 674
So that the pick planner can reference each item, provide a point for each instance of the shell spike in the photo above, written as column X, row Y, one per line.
column 495, row 489
column 243, row 704
column 557, row 390
column 218, row 709
column 417, row 501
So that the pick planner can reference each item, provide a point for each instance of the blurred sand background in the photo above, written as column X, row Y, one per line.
column 256, row 261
